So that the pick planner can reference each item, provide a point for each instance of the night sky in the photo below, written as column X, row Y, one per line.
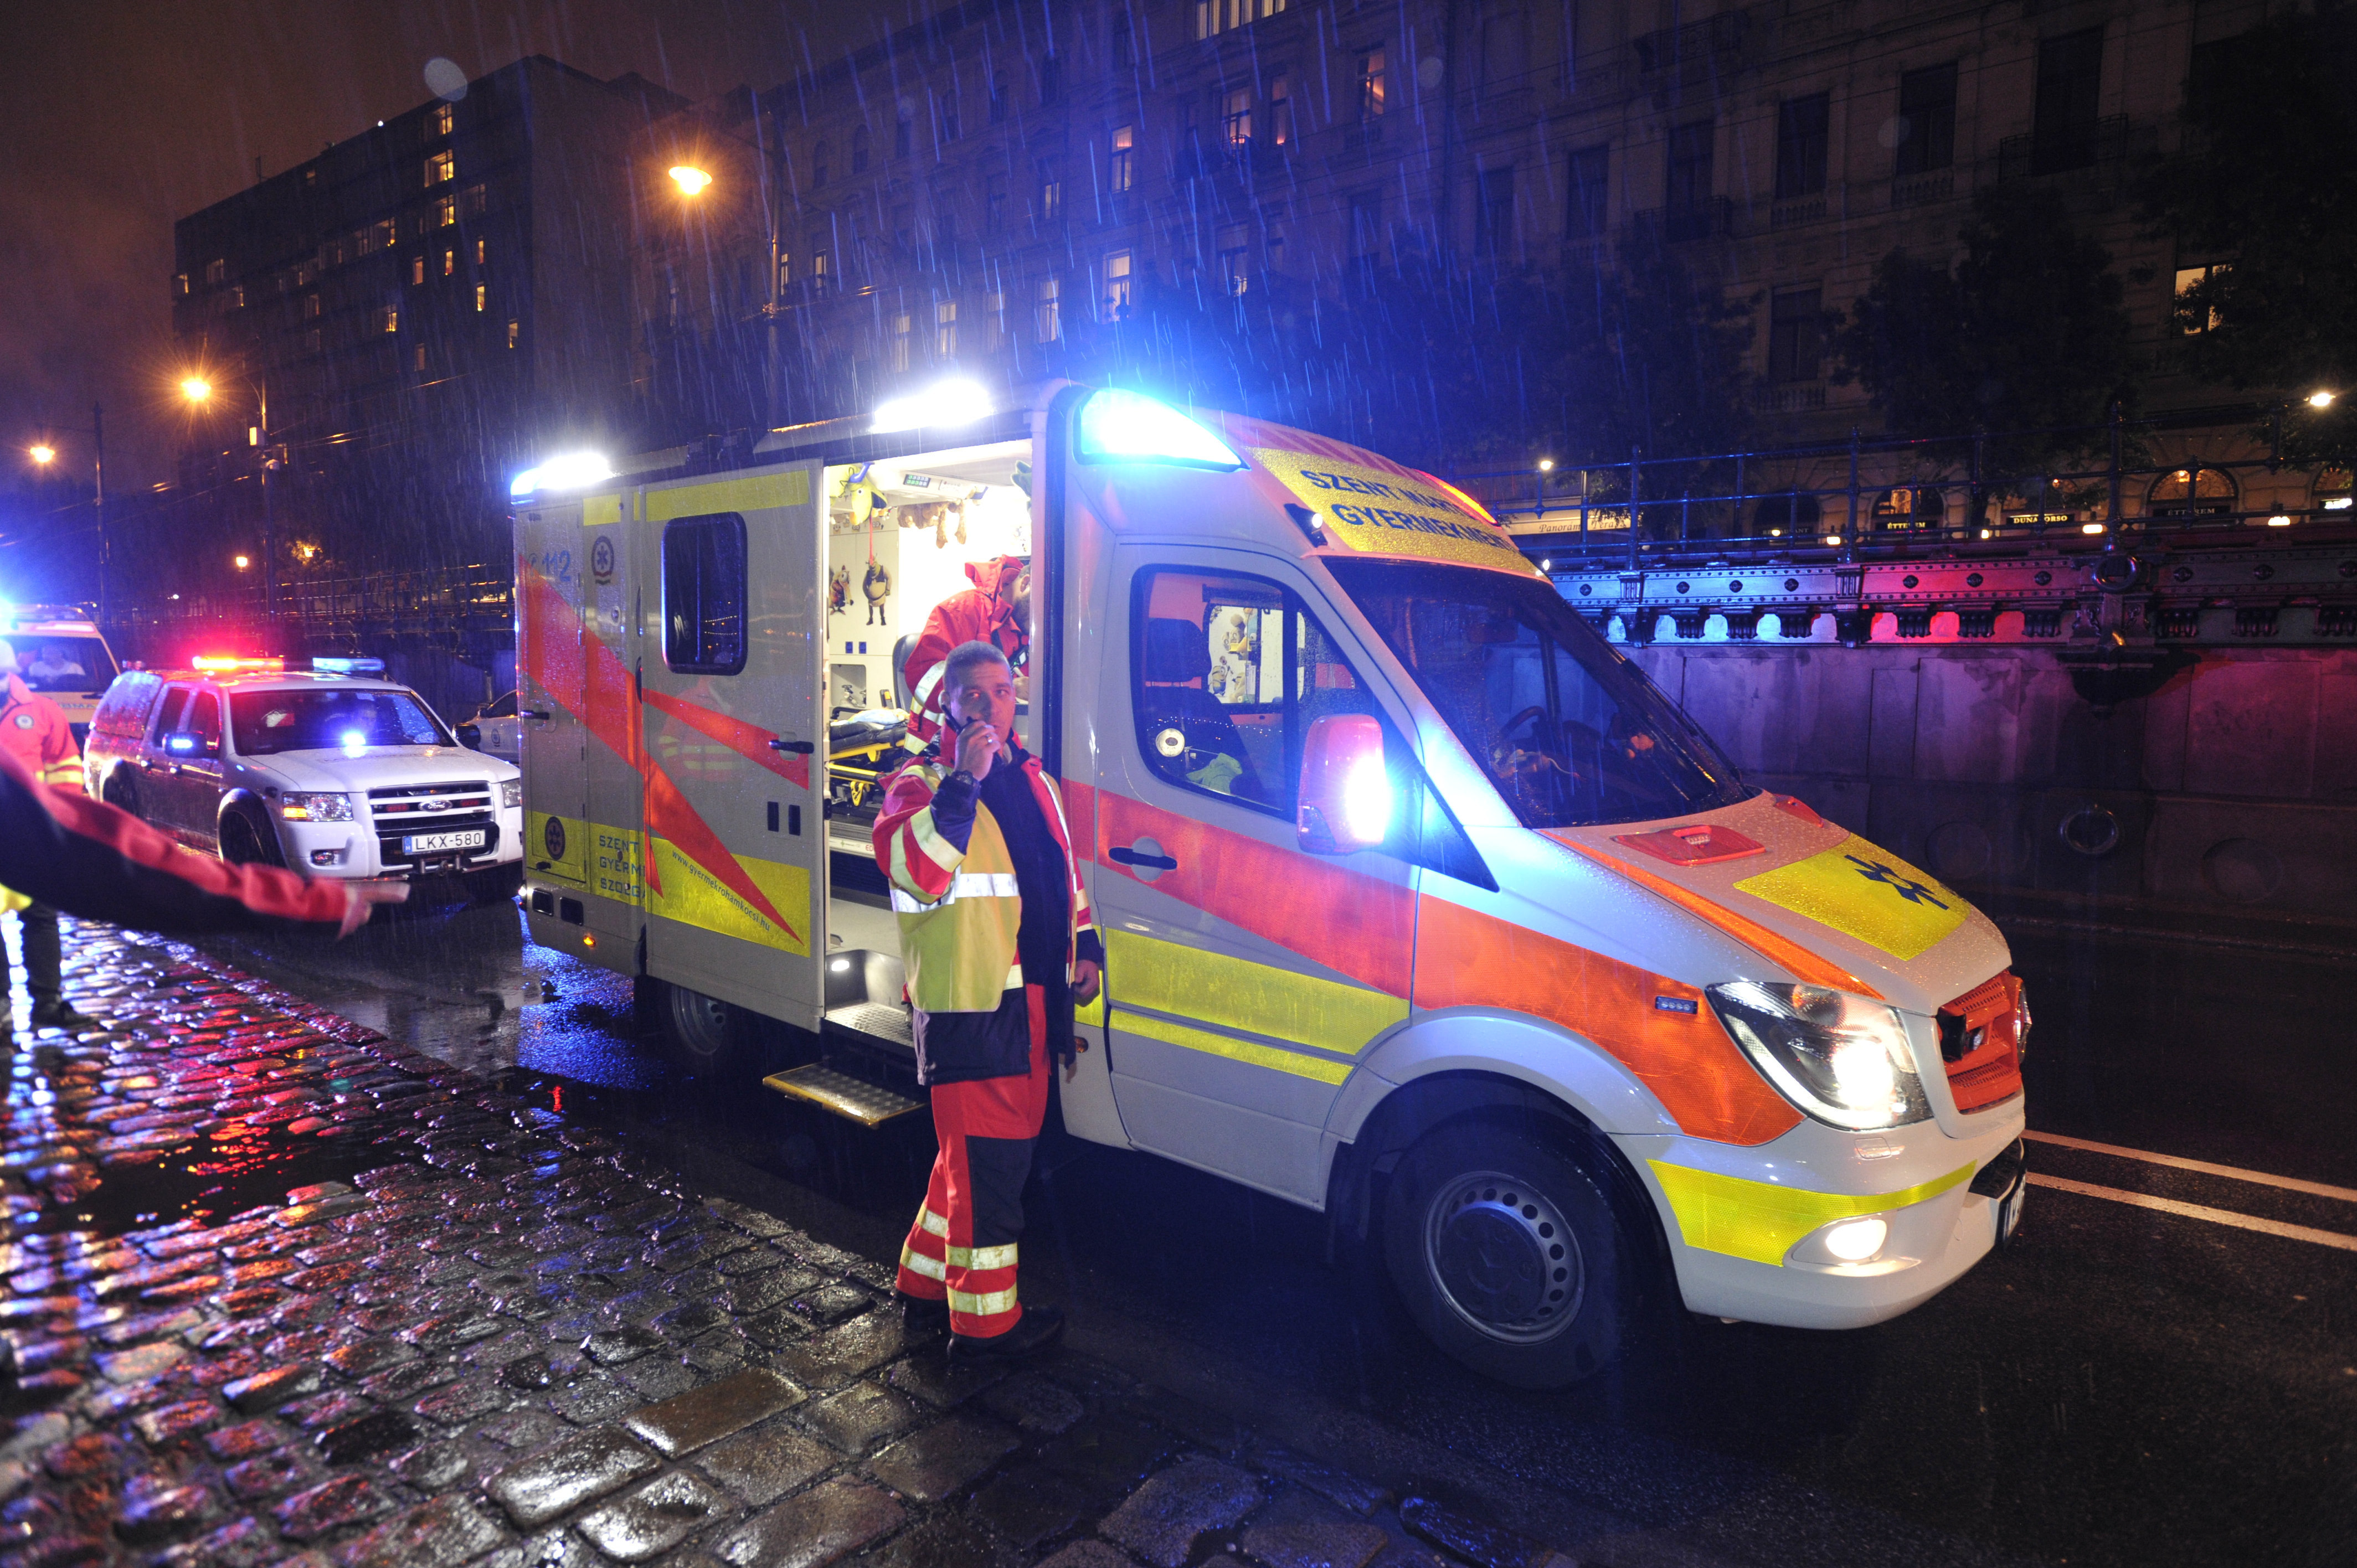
column 120, row 116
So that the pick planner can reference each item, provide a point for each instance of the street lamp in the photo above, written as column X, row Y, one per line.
column 199, row 390
column 2321, row 399
column 691, row 180
column 44, row 454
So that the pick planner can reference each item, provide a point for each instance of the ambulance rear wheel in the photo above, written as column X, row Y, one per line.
column 1509, row 1255
column 702, row 1035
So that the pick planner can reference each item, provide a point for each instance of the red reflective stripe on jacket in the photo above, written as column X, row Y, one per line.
column 62, row 848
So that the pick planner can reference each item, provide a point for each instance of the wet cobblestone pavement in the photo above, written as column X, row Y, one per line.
column 281, row 1290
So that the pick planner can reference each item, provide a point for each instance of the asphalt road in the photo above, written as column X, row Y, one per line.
column 2126, row 1384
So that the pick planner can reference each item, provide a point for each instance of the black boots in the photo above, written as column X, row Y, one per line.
column 1038, row 1327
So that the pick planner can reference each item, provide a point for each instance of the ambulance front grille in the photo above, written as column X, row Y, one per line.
column 1979, row 1037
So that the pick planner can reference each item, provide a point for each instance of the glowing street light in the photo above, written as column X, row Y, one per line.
column 2321, row 399
column 242, row 563
column 196, row 389
column 1546, row 465
column 44, row 454
column 691, row 180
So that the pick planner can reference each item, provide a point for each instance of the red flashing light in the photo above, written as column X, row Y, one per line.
column 225, row 663
column 1461, row 498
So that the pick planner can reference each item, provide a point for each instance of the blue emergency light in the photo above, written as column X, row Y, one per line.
column 349, row 666
column 1118, row 426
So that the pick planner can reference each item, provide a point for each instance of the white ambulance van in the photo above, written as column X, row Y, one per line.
column 62, row 654
column 1422, row 905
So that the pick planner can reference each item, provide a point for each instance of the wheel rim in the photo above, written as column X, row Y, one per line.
column 1503, row 1257
column 700, row 1022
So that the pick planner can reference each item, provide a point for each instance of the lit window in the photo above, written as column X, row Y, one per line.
column 179, row 283
column 481, row 252
column 785, row 269
column 2192, row 318
column 1121, row 169
column 417, row 269
column 1371, row 85
column 388, row 319
column 1235, row 117
column 945, row 336
column 993, row 305
column 1280, row 111
column 441, row 168
column 1117, row 285
column 819, row 269
column 899, row 344
column 310, row 307
column 1219, row 16
column 1234, row 271
column 449, row 263
column 437, row 121
column 1051, row 192
column 482, row 297
column 515, row 333
column 446, row 212
column 216, row 272
column 1049, row 310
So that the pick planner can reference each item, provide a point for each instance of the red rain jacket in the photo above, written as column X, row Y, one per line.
column 982, row 613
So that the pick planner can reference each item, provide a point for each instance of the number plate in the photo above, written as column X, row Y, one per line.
column 437, row 844
column 2008, row 1209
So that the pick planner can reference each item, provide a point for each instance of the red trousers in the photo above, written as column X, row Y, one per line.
column 963, row 1245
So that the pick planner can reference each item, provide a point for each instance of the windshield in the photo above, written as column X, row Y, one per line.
column 1571, row 733
column 62, row 663
column 268, row 722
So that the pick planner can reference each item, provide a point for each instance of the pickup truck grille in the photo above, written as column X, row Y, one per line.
column 432, row 808
column 1979, row 1043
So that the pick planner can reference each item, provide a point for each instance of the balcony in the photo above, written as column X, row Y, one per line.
column 1923, row 189
column 2103, row 144
column 1799, row 211
column 1708, row 220
column 1790, row 397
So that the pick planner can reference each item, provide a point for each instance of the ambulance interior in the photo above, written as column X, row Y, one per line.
column 900, row 534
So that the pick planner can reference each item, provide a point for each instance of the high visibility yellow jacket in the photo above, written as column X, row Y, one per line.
column 960, row 913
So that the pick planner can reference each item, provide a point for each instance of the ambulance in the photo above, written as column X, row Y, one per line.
column 62, row 654
column 1422, row 905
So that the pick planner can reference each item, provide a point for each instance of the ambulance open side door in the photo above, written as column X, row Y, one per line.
column 551, row 572
column 732, row 735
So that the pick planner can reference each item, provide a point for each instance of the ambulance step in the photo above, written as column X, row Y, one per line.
column 877, row 1020
column 854, row 1098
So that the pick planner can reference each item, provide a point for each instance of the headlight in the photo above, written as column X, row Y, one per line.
column 316, row 808
column 510, row 794
column 1844, row 1059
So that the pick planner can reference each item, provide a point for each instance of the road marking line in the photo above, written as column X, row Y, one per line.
column 2196, row 1211
column 2292, row 1183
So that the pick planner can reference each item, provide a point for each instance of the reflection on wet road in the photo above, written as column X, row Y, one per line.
column 2122, row 1385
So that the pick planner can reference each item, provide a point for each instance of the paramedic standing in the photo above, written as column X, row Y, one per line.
column 995, row 610
column 995, row 926
column 33, row 731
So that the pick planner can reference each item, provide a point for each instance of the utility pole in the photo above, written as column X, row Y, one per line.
column 98, row 483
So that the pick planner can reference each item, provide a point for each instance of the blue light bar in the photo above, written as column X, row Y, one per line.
column 349, row 666
column 1117, row 427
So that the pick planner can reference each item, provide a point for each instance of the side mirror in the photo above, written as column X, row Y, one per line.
column 188, row 743
column 1346, row 790
column 470, row 736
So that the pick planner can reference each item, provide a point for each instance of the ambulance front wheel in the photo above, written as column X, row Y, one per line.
column 1509, row 1255
column 702, row 1035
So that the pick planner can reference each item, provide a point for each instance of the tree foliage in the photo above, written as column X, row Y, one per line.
column 2262, row 191
column 1452, row 364
column 2025, row 332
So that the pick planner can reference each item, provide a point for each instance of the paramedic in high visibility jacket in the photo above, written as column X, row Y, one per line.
column 995, row 610
column 35, row 732
column 996, row 932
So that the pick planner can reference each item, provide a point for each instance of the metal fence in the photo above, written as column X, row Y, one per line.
column 1865, row 498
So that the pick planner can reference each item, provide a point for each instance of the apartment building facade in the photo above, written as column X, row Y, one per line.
column 420, row 309
column 974, row 193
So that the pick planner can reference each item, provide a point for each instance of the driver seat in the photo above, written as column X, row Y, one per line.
column 1178, row 651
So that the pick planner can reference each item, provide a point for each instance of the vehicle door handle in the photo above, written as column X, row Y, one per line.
column 536, row 713
column 799, row 747
column 1132, row 857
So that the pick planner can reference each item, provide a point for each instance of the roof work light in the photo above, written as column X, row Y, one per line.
column 948, row 403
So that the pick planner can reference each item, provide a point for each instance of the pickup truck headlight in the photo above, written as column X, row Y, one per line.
column 1844, row 1059
column 316, row 808
column 510, row 794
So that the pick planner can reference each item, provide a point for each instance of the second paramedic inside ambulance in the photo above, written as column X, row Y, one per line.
column 996, row 610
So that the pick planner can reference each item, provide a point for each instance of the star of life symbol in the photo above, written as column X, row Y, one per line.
column 1914, row 892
